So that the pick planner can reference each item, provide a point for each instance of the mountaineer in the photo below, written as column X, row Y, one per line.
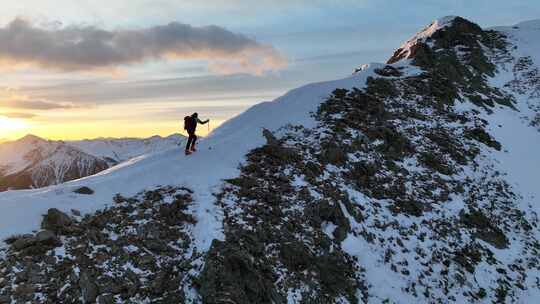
column 190, row 125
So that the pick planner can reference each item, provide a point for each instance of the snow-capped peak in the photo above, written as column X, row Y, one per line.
column 45, row 162
column 406, row 50
column 433, row 27
column 30, row 138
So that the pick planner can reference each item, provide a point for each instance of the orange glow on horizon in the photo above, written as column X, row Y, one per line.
column 136, row 120
column 13, row 129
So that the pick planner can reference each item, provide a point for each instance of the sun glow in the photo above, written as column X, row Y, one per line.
column 10, row 125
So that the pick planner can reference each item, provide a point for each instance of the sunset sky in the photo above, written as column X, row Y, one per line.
column 115, row 68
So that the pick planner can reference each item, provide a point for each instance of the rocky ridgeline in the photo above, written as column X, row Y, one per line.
column 139, row 250
column 284, row 223
column 401, row 169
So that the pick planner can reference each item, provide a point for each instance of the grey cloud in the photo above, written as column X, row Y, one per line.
column 18, row 115
column 35, row 104
column 178, row 89
column 90, row 48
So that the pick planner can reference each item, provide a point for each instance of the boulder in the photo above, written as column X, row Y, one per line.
column 271, row 140
column 84, row 190
column 48, row 238
column 56, row 221
column 23, row 242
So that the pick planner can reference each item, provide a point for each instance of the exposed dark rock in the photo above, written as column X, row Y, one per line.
column 408, row 207
column 482, row 136
column 388, row 71
column 485, row 228
column 58, row 222
column 89, row 289
column 125, row 252
column 84, row 190
column 333, row 154
column 296, row 256
column 106, row 299
column 23, row 242
column 232, row 275
column 48, row 238
column 468, row 257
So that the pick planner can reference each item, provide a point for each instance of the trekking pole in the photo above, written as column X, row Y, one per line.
column 208, row 127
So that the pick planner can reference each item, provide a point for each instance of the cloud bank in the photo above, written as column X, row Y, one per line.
column 34, row 104
column 88, row 48
column 18, row 115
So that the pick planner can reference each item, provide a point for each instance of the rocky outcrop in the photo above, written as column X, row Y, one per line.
column 136, row 251
column 84, row 190
column 378, row 171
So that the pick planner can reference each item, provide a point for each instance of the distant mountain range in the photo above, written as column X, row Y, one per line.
column 33, row 162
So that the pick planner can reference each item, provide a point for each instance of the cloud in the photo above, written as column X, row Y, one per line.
column 84, row 48
column 35, row 104
column 18, row 115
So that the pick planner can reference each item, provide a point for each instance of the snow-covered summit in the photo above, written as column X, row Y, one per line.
column 409, row 48
column 432, row 28
column 31, row 138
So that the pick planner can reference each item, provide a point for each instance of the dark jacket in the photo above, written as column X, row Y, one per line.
column 192, row 126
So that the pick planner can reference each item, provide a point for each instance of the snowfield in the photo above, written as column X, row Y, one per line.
column 218, row 157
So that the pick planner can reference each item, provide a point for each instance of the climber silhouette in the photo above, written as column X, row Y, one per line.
column 190, row 125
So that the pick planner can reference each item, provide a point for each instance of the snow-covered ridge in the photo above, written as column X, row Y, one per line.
column 525, row 36
column 217, row 158
column 122, row 149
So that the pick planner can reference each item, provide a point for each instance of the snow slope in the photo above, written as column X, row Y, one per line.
column 218, row 158
column 525, row 36
column 521, row 160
